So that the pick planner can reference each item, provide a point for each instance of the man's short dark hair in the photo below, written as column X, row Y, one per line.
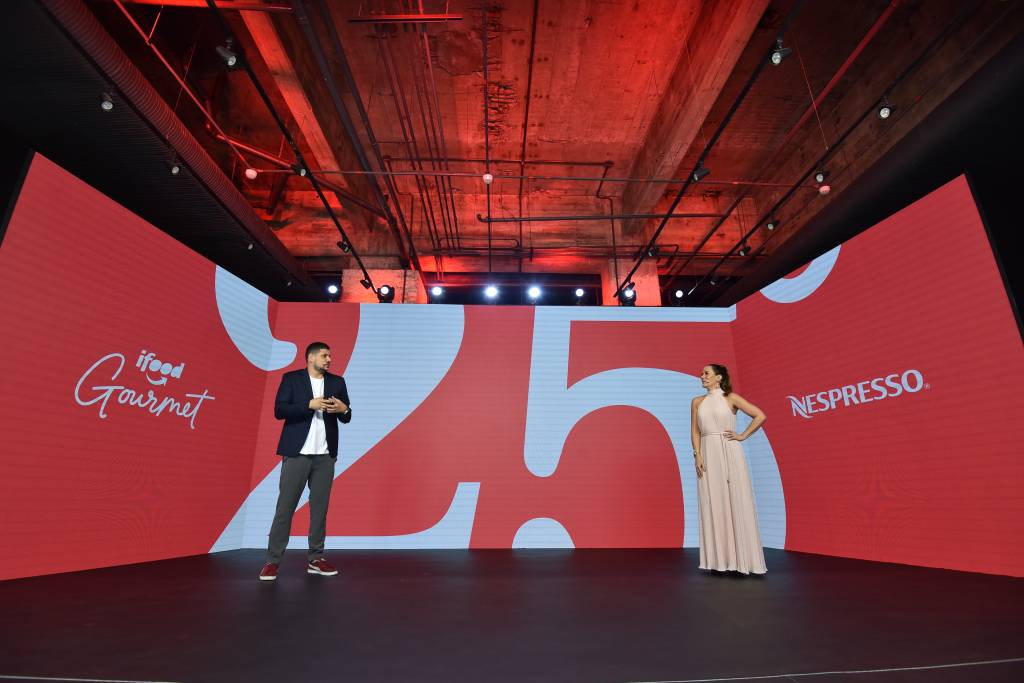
column 315, row 348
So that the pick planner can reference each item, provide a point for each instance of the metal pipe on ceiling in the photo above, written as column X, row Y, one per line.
column 94, row 43
column 268, row 103
column 404, row 18
column 487, row 125
column 221, row 4
column 787, row 22
column 289, row 167
column 174, row 74
column 583, row 179
column 430, row 137
column 303, row 19
column 442, row 143
column 408, row 133
column 769, row 164
column 959, row 17
column 526, row 112
column 587, row 217
column 528, row 162
column 350, row 81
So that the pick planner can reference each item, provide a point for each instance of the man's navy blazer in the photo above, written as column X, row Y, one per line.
column 292, row 406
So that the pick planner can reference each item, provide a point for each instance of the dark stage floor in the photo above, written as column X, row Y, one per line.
column 598, row 615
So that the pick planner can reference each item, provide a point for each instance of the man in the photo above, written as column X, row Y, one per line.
column 311, row 402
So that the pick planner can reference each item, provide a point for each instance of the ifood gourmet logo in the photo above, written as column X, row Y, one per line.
column 149, row 364
column 93, row 387
column 868, row 391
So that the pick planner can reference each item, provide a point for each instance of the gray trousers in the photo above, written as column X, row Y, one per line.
column 318, row 472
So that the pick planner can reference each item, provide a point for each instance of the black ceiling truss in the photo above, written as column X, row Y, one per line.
column 699, row 170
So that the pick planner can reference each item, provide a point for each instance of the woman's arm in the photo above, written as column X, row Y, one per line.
column 757, row 415
column 698, row 459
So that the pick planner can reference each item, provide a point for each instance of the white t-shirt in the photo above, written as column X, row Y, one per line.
column 316, row 440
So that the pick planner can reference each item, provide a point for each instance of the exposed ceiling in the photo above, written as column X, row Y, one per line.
column 585, row 109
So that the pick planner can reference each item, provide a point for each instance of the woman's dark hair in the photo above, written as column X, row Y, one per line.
column 724, row 372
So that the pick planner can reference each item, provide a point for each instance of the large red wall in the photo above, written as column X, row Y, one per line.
column 928, row 477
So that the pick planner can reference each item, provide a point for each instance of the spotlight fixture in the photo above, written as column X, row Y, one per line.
column 251, row 173
column 227, row 54
column 249, row 246
column 771, row 224
column 884, row 108
column 345, row 247
column 107, row 102
column 652, row 251
column 488, row 178
column 780, row 53
column 579, row 292
column 713, row 282
column 701, row 171
column 677, row 297
column 173, row 165
column 533, row 292
column 299, row 170
column 744, row 250
column 679, row 294
column 437, row 291
column 491, row 292
column 386, row 294
column 819, row 177
column 366, row 283
column 627, row 296
column 332, row 289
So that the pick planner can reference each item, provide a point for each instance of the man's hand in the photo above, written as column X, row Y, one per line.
column 319, row 404
column 335, row 405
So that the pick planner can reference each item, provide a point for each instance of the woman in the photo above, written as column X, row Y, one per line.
column 729, row 537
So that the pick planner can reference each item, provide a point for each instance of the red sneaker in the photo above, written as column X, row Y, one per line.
column 269, row 572
column 321, row 567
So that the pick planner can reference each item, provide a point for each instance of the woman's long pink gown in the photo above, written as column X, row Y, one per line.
column 729, row 536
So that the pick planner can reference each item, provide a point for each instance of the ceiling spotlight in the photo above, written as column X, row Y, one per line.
column 780, row 53
column 251, row 173
column 701, row 171
column 386, row 294
column 332, row 289
column 713, row 282
column 819, row 176
column 299, row 170
column 579, row 292
column 652, row 251
column 436, row 290
column 491, row 292
column 488, row 178
column 249, row 246
column 679, row 294
column 772, row 224
column 884, row 108
column 533, row 292
column 107, row 102
column 227, row 54
column 345, row 247
column 824, row 188
column 173, row 165
column 744, row 250
column 365, row 282
column 627, row 295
